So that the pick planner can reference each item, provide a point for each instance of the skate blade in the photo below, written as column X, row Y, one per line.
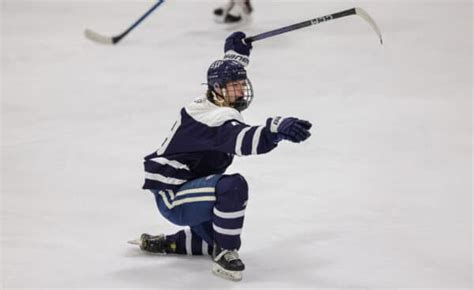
column 137, row 242
column 219, row 19
column 226, row 274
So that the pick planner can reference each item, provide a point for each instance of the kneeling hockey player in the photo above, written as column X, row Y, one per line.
column 187, row 173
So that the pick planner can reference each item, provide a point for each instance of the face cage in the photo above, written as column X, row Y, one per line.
column 242, row 91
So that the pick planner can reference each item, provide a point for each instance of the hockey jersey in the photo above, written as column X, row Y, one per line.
column 203, row 142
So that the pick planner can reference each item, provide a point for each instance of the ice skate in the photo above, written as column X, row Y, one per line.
column 236, row 12
column 154, row 244
column 221, row 12
column 227, row 264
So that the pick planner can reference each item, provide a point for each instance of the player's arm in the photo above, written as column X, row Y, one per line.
column 241, row 139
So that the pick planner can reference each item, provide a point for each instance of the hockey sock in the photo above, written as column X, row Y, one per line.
column 189, row 243
column 229, row 210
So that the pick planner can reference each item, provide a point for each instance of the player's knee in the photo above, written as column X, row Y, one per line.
column 232, row 189
column 235, row 184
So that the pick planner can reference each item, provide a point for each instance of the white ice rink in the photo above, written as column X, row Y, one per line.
column 379, row 197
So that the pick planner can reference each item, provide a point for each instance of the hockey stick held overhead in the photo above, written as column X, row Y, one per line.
column 94, row 36
column 353, row 11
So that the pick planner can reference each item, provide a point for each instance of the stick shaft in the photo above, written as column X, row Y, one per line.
column 300, row 25
column 117, row 38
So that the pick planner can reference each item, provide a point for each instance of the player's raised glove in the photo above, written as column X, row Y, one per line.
column 292, row 129
column 237, row 49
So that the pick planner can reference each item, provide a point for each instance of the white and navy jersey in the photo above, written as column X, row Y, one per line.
column 202, row 142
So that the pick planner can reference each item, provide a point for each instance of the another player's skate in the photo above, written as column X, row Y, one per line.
column 235, row 12
column 227, row 264
column 221, row 12
column 154, row 244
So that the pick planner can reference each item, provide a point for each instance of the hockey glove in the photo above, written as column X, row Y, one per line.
column 236, row 49
column 292, row 129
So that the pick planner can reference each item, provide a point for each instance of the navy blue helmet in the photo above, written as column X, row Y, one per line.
column 227, row 79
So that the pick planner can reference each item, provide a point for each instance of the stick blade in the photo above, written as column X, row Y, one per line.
column 362, row 13
column 96, row 37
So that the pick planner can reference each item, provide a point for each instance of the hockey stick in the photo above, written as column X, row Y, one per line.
column 94, row 36
column 352, row 11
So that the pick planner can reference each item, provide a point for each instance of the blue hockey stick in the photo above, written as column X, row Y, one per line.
column 352, row 11
column 94, row 36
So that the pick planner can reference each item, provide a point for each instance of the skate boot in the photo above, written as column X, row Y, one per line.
column 221, row 12
column 155, row 244
column 227, row 264
column 236, row 12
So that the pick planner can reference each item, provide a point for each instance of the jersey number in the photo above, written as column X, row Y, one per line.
column 170, row 136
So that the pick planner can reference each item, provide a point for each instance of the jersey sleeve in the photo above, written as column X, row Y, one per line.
column 241, row 139
column 205, row 127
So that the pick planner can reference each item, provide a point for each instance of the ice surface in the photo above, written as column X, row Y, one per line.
column 380, row 196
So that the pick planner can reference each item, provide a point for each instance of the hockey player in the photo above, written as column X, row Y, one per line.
column 187, row 173
column 236, row 11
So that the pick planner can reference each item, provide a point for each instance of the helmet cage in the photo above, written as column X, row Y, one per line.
column 228, row 81
column 241, row 91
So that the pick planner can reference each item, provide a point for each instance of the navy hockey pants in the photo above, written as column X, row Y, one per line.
column 213, row 207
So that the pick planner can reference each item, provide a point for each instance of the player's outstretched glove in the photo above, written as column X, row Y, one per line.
column 292, row 129
column 237, row 49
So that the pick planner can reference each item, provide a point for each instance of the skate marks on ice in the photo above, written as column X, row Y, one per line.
column 168, row 271
column 279, row 262
column 291, row 262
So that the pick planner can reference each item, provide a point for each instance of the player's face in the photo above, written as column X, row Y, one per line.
column 235, row 90
column 237, row 94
